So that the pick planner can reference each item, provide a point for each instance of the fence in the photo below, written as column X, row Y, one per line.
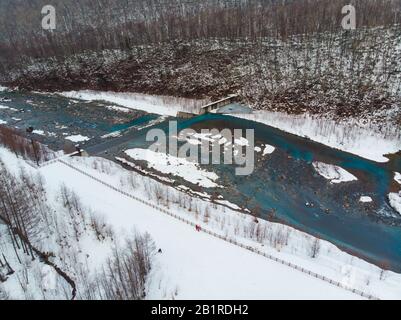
column 227, row 239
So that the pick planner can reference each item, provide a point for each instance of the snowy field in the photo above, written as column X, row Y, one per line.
column 196, row 265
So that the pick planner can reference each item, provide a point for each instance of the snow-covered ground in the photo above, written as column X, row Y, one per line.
column 268, row 149
column 330, row 262
column 7, row 108
column 77, row 138
column 196, row 265
column 39, row 276
column 162, row 105
column 366, row 199
column 351, row 136
column 168, row 164
column 333, row 173
column 395, row 201
column 394, row 197
column 397, row 177
column 119, row 109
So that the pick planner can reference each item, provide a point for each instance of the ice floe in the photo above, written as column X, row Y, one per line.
column 180, row 167
column 333, row 173
column 365, row 199
column 77, row 138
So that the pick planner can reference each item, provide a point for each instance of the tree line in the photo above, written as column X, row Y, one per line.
column 34, row 230
column 114, row 24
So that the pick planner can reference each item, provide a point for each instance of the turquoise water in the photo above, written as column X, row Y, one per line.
column 133, row 123
column 282, row 182
column 285, row 181
column 62, row 117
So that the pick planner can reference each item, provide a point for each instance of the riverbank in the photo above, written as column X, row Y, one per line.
column 353, row 135
column 184, row 251
column 364, row 138
column 305, row 73
column 318, row 208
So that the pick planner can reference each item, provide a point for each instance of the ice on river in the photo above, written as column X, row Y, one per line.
column 397, row 177
column 180, row 167
column 268, row 150
column 77, row 138
column 333, row 173
column 395, row 201
column 366, row 199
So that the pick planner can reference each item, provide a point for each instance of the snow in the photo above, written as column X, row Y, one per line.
column 333, row 173
column 395, row 201
column 268, row 150
column 397, row 177
column 241, row 142
column 204, row 136
column 77, row 138
column 349, row 135
column 114, row 134
column 181, row 167
column 162, row 105
column 39, row 274
column 119, row 109
column 331, row 262
column 48, row 278
column 365, row 199
column 7, row 108
column 196, row 265
column 43, row 133
column 3, row 88
column 3, row 122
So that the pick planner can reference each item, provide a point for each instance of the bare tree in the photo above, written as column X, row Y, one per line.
column 314, row 248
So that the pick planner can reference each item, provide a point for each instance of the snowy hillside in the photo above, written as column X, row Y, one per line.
column 194, row 264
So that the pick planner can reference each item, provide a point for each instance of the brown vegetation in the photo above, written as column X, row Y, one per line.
column 21, row 146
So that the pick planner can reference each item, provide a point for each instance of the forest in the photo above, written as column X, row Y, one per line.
column 116, row 24
column 287, row 55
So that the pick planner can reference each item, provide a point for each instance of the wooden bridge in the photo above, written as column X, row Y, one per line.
column 209, row 107
column 218, row 104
